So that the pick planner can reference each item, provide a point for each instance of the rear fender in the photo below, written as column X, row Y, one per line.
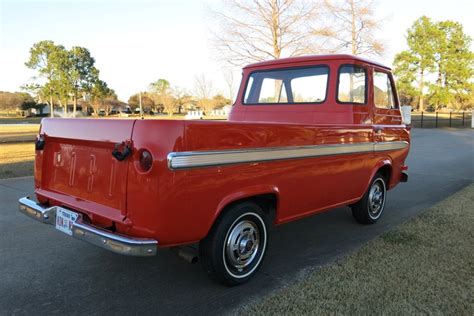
column 378, row 165
column 246, row 193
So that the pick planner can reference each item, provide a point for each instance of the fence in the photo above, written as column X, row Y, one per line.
column 192, row 115
column 441, row 119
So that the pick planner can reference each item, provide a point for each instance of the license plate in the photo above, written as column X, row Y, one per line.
column 64, row 220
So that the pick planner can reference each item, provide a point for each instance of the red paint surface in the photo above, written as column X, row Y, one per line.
column 178, row 207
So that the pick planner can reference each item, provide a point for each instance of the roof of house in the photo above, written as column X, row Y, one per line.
column 290, row 60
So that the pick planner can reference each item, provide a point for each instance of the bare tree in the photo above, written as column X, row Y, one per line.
column 182, row 98
column 355, row 26
column 252, row 31
column 169, row 103
column 230, row 82
column 203, row 88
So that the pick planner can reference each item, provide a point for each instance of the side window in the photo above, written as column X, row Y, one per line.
column 383, row 94
column 247, row 91
column 352, row 84
column 287, row 86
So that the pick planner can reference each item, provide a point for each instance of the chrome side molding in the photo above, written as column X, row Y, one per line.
column 384, row 146
column 102, row 238
column 195, row 159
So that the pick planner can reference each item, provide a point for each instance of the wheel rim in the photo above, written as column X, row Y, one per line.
column 244, row 245
column 376, row 198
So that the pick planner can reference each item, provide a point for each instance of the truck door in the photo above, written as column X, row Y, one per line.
column 386, row 109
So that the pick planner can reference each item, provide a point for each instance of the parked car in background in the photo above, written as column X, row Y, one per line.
column 114, row 112
column 138, row 111
column 306, row 135
column 126, row 110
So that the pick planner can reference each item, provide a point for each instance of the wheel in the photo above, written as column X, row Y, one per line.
column 369, row 209
column 234, row 249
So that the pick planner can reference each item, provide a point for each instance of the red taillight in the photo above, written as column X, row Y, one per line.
column 146, row 160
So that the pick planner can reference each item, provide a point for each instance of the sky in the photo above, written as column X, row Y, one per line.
column 137, row 42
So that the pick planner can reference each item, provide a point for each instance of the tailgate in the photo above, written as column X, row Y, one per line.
column 78, row 168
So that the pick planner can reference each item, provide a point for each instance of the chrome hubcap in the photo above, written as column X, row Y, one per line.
column 376, row 197
column 242, row 244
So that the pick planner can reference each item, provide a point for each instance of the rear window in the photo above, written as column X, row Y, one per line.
column 285, row 86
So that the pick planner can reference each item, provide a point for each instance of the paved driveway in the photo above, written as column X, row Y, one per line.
column 43, row 272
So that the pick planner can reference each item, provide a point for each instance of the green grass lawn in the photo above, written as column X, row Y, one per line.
column 13, row 133
column 20, row 120
column 16, row 160
column 17, row 150
column 425, row 266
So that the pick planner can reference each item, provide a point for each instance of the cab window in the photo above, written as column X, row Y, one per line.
column 383, row 93
column 287, row 86
column 352, row 84
column 273, row 91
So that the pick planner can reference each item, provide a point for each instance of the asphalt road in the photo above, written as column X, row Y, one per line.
column 42, row 271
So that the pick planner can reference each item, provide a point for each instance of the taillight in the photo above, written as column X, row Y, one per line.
column 146, row 160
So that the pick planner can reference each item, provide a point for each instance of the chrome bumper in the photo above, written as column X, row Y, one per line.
column 94, row 235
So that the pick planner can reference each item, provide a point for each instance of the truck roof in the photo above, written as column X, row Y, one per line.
column 290, row 60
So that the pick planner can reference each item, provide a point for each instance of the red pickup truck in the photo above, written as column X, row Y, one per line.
column 305, row 135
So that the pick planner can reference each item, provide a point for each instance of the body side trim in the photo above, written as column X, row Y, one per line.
column 196, row 159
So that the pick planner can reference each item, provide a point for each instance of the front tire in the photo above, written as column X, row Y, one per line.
column 235, row 247
column 370, row 208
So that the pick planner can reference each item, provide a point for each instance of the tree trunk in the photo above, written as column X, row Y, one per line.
column 51, row 106
column 278, row 87
column 275, row 29
column 61, row 105
column 351, row 87
column 421, row 91
column 438, row 84
column 275, row 25
column 74, row 105
column 353, row 31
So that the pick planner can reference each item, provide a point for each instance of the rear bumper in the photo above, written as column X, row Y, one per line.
column 97, row 236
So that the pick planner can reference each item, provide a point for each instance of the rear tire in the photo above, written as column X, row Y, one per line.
column 370, row 208
column 234, row 249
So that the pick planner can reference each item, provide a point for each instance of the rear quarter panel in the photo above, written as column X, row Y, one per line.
column 180, row 206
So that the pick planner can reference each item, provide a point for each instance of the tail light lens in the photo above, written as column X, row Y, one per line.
column 146, row 160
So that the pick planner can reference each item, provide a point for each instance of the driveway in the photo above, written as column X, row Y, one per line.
column 43, row 271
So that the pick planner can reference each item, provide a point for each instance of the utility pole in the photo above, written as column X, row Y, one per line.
column 140, row 103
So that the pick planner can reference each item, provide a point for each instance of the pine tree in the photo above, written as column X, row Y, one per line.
column 438, row 50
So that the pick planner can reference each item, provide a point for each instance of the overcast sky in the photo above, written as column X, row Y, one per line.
column 137, row 42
